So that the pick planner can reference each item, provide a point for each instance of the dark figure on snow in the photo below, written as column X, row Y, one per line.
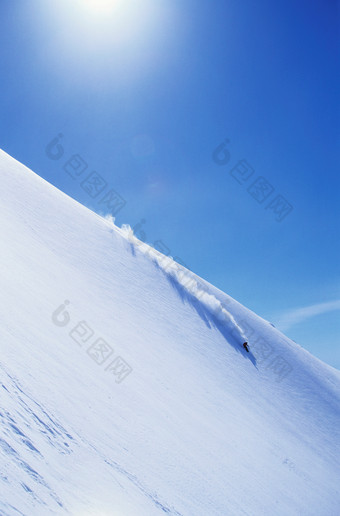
column 245, row 345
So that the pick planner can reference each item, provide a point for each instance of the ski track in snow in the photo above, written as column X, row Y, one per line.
column 29, row 417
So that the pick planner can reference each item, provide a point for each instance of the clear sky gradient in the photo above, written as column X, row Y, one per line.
column 145, row 93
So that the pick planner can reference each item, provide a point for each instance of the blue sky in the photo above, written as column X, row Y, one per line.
column 145, row 93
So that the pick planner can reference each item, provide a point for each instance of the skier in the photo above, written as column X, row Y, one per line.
column 245, row 345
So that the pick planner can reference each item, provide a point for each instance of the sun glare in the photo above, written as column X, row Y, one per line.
column 100, row 6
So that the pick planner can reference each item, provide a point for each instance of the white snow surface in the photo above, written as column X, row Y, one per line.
column 199, row 427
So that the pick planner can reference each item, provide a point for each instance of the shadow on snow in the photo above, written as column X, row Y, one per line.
column 209, row 319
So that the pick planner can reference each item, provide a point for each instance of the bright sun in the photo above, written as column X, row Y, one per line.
column 101, row 6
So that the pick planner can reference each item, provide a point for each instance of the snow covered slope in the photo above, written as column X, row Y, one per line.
column 125, row 389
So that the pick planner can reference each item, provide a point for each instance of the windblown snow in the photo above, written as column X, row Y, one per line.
column 125, row 389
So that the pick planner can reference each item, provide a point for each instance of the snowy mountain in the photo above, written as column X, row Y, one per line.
column 125, row 389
